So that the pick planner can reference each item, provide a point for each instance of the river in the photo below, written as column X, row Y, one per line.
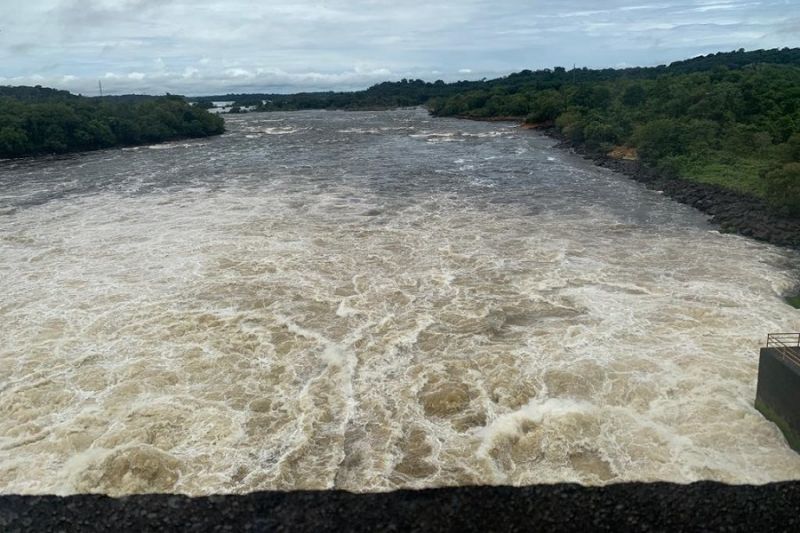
column 370, row 301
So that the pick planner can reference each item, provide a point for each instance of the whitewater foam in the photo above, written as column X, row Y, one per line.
column 338, row 314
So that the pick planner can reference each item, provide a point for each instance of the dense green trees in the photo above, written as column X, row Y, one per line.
column 34, row 120
column 782, row 177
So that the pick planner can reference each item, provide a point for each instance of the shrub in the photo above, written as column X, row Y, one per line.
column 783, row 188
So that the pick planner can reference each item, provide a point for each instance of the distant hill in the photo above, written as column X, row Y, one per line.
column 34, row 94
column 737, row 59
column 406, row 93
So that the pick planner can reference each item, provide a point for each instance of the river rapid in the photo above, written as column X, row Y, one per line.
column 371, row 301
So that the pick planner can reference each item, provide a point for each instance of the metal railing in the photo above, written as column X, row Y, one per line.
column 787, row 345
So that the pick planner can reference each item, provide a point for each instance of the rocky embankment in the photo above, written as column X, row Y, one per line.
column 732, row 211
column 703, row 506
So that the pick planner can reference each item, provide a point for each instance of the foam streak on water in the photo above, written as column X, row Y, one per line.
column 359, row 301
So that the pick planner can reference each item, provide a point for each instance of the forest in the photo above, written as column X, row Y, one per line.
column 37, row 120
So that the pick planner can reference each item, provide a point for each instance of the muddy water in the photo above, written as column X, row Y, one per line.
column 371, row 301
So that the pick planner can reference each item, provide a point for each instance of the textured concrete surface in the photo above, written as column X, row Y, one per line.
column 778, row 394
column 703, row 506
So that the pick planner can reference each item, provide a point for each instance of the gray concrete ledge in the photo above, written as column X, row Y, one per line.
column 778, row 394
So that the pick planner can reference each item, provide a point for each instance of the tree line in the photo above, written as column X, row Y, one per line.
column 37, row 120
column 386, row 95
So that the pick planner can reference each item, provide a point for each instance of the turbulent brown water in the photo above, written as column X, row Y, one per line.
column 371, row 301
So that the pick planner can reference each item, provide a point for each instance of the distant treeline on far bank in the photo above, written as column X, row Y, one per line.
column 37, row 120
column 730, row 119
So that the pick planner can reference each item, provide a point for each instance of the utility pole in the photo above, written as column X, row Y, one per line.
column 100, row 85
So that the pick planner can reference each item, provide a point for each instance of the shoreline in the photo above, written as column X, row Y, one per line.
column 74, row 153
column 657, row 506
column 733, row 212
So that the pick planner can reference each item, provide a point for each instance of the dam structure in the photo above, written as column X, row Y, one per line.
column 778, row 392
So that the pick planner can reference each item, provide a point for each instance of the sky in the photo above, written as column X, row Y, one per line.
column 196, row 47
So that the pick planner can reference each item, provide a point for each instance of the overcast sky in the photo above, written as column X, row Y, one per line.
column 217, row 46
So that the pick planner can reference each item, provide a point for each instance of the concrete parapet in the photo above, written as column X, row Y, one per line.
column 778, row 393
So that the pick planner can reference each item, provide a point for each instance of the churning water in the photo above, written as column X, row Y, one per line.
column 371, row 301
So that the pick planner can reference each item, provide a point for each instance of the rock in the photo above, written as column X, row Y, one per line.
column 732, row 211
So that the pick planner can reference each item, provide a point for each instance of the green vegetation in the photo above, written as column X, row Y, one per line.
column 794, row 301
column 387, row 95
column 789, row 434
column 35, row 120
column 726, row 119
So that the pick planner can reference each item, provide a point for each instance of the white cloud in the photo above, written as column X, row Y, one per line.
column 202, row 46
column 239, row 73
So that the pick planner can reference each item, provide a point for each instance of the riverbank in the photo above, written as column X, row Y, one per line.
column 702, row 506
column 492, row 119
column 40, row 122
column 45, row 156
column 733, row 212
